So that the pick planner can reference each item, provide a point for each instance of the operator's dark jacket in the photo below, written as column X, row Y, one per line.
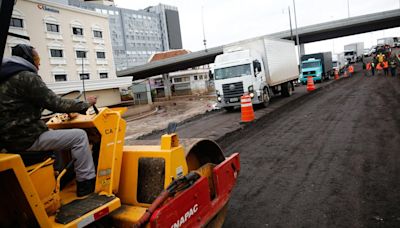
column 23, row 96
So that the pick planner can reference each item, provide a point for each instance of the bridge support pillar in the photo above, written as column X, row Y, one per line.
column 167, row 86
column 148, row 92
column 302, row 50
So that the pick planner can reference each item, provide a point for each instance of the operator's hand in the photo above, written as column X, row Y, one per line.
column 91, row 100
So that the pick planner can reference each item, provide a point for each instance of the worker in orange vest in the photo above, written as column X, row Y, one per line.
column 351, row 70
column 379, row 68
column 368, row 68
column 386, row 67
column 373, row 66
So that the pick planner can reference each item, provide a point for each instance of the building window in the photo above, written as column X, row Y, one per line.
column 52, row 27
column 101, row 55
column 16, row 22
column 195, row 77
column 178, row 80
column 84, row 76
column 103, row 75
column 77, row 31
column 57, row 53
column 81, row 54
column 60, row 77
column 201, row 77
column 97, row 34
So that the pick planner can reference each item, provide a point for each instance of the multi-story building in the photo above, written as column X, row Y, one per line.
column 74, row 44
column 137, row 34
column 194, row 80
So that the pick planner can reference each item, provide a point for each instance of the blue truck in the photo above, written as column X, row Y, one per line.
column 317, row 65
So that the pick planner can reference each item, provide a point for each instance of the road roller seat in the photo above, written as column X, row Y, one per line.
column 33, row 157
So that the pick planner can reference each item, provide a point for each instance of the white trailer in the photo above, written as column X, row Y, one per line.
column 353, row 52
column 338, row 62
column 261, row 67
column 391, row 41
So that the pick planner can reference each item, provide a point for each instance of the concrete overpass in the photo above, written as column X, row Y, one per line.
column 307, row 34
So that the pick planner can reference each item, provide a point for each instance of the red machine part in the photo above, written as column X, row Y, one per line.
column 194, row 206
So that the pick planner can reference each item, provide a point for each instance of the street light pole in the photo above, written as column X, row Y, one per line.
column 204, row 33
column 297, row 33
column 348, row 8
column 290, row 23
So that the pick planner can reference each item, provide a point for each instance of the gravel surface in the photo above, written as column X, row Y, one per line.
column 330, row 161
column 172, row 111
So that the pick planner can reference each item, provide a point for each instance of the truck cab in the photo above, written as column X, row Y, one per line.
column 350, row 56
column 311, row 67
column 236, row 73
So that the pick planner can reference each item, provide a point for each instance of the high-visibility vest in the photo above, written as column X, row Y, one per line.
column 368, row 66
column 379, row 66
column 381, row 58
column 351, row 69
column 385, row 64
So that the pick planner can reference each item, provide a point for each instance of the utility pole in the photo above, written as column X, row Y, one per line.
column 204, row 33
column 290, row 23
column 297, row 33
column 348, row 8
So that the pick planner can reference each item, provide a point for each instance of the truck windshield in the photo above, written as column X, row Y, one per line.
column 349, row 53
column 233, row 71
column 311, row 64
column 334, row 64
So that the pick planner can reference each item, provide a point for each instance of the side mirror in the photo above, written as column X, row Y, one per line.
column 210, row 75
column 257, row 67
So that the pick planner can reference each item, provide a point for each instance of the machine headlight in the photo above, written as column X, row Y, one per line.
column 251, row 95
column 250, row 89
column 219, row 98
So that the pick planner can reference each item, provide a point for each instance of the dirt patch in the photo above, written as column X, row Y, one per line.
column 177, row 110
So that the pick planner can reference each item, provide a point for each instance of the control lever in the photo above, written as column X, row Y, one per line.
column 95, row 109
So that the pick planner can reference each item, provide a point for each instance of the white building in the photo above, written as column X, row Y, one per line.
column 185, row 82
column 73, row 43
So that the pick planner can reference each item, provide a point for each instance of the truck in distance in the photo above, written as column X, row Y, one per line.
column 338, row 62
column 261, row 67
column 353, row 52
column 391, row 41
column 317, row 65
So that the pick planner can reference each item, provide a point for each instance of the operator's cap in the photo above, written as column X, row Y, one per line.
column 24, row 51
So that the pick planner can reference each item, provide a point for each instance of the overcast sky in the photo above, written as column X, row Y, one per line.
column 226, row 21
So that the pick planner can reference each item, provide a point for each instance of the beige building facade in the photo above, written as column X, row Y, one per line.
column 74, row 45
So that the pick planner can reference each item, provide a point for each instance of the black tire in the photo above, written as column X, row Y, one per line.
column 266, row 97
column 229, row 109
column 287, row 89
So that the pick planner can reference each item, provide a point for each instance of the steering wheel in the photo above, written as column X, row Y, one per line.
column 47, row 115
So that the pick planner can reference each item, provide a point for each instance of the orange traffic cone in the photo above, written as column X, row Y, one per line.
column 246, row 108
column 310, row 84
column 336, row 75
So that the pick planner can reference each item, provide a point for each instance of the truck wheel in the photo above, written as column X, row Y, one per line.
column 229, row 109
column 287, row 89
column 266, row 97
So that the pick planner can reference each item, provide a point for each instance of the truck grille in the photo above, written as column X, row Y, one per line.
column 233, row 90
column 309, row 73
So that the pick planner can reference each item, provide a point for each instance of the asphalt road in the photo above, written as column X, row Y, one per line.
column 331, row 160
column 217, row 125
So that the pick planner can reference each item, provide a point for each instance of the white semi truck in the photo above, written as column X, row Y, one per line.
column 353, row 52
column 338, row 62
column 260, row 67
column 391, row 41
